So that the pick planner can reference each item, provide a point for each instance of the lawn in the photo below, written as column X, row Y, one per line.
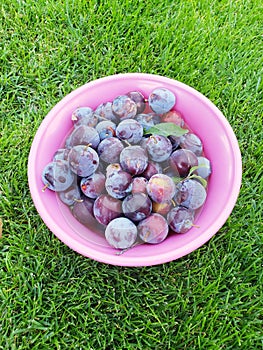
column 53, row 298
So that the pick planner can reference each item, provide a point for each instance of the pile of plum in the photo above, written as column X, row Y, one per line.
column 131, row 168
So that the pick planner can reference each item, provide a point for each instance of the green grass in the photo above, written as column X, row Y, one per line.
column 53, row 298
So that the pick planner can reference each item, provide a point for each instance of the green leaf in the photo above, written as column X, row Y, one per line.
column 194, row 168
column 176, row 179
column 199, row 178
column 167, row 129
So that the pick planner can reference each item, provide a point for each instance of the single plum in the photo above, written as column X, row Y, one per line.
column 161, row 188
column 121, row 233
column 180, row 219
column 154, row 229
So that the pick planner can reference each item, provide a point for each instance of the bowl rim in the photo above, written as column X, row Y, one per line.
column 90, row 251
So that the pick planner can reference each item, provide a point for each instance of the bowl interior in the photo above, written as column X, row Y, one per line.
column 220, row 146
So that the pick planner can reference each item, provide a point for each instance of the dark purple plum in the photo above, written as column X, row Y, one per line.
column 134, row 159
column 109, row 150
column 192, row 142
column 106, row 208
column 137, row 206
column 139, row 99
column 84, row 135
column 147, row 120
column 152, row 169
column 129, row 130
column 181, row 161
column 61, row 153
column 71, row 194
column 180, row 219
column 83, row 212
column 144, row 142
column 83, row 160
column 104, row 112
column 118, row 183
column 113, row 168
column 204, row 167
column 175, row 141
column 105, row 129
column 93, row 185
column 154, row 229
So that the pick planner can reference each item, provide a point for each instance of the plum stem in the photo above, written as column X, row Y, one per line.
column 125, row 249
column 197, row 226
column 127, row 143
column 78, row 200
column 44, row 188
column 173, row 203
column 167, row 168
column 154, row 138
column 112, row 130
column 87, row 146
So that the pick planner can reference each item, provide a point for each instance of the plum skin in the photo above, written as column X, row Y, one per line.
column 161, row 188
column 154, row 229
column 121, row 233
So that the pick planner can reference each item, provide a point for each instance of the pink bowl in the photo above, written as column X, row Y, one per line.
column 220, row 146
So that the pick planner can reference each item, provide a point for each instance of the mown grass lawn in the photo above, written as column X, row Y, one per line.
column 53, row 298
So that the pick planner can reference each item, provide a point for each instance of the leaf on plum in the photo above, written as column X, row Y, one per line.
column 176, row 179
column 167, row 129
column 199, row 178
column 196, row 167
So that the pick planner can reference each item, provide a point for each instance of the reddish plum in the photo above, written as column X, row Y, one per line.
column 93, row 185
column 154, row 229
column 192, row 142
column 134, row 159
column 161, row 188
column 118, row 183
column 139, row 184
column 174, row 117
column 162, row 208
column 106, row 208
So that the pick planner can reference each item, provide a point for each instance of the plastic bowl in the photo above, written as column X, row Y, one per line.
column 203, row 117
